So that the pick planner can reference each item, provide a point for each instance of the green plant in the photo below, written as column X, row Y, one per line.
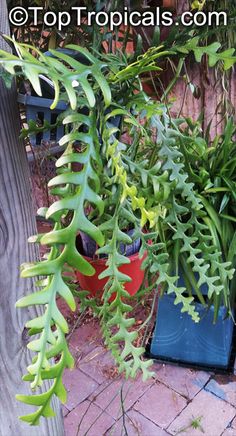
column 181, row 68
column 195, row 424
column 110, row 178
column 212, row 169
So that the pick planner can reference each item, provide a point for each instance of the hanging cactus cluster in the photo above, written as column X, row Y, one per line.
column 142, row 183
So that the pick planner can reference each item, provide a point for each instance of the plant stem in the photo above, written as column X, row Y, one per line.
column 174, row 80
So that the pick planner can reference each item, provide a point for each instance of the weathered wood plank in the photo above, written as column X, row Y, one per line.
column 16, row 225
column 210, row 97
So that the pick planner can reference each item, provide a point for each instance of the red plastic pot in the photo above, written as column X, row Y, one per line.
column 96, row 286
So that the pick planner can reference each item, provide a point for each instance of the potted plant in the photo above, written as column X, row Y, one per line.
column 111, row 179
column 133, row 268
column 211, row 168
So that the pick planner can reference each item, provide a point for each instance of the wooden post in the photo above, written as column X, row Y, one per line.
column 17, row 223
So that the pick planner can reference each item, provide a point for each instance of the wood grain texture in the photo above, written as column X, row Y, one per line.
column 16, row 225
column 209, row 101
column 209, row 84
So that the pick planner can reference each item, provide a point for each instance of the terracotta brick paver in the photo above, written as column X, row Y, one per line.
column 86, row 415
column 233, row 423
column 109, row 399
column 187, row 382
column 136, row 425
column 98, row 364
column 171, row 403
column 215, row 416
column 229, row 432
column 161, row 405
column 84, row 340
column 79, row 386
column 65, row 411
column 223, row 387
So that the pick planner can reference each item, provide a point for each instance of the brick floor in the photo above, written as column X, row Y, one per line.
column 109, row 399
column 187, row 382
column 229, row 432
column 136, row 425
column 84, row 339
column 65, row 411
column 216, row 415
column 233, row 423
column 98, row 364
column 79, row 386
column 87, row 415
column 164, row 405
column 223, row 387
column 160, row 405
